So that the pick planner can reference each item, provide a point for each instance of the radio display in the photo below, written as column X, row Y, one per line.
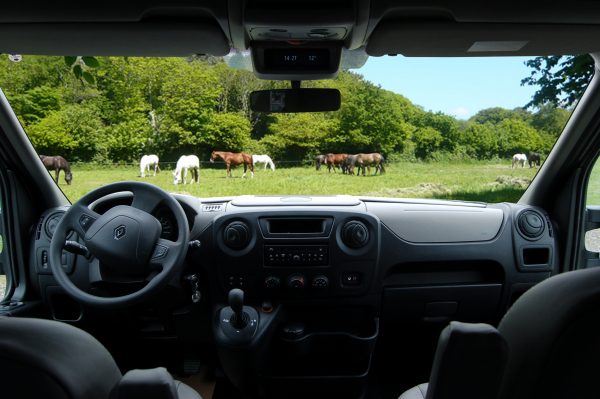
column 296, row 226
column 297, row 59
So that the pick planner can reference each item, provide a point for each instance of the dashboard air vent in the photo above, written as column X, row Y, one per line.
column 355, row 234
column 38, row 230
column 530, row 224
column 212, row 207
column 236, row 235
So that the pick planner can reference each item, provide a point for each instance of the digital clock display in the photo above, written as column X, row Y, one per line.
column 297, row 59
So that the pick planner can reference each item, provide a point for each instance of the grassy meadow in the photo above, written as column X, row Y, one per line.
column 473, row 181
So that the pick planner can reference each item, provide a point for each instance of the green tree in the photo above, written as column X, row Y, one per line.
column 74, row 131
column 427, row 140
column 297, row 136
column 550, row 119
column 516, row 136
column 480, row 140
column 35, row 103
column 561, row 80
column 496, row 115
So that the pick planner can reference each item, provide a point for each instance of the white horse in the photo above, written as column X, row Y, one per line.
column 146, row 163
column 263, row 159
column 184, row 163
column 519, row 159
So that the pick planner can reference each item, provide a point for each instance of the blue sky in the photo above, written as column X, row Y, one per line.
column 455, row 86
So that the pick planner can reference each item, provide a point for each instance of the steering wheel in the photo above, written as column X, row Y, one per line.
column 126, row 240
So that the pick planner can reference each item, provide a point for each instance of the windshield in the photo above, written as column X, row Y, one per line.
column 447, row 128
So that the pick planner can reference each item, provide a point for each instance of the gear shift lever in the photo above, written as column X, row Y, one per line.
column 239, row 318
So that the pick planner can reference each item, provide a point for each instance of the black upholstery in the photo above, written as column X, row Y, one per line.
column 469, row 363
column 553, row 332
column 553, row 336
column 49, row 359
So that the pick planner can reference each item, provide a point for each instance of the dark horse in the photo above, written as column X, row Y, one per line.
column 56, row 164
column 234, row 158
column 320, row 160
column 534, row 159
column 367, row 160
column 350, row 163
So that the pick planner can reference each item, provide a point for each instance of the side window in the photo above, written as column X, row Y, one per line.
column 592, row 202
column 4, row 265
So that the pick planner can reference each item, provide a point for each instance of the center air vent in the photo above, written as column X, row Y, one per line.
column 530, row 224
column 236, row 235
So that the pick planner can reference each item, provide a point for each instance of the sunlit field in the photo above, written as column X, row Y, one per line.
column 473, row 181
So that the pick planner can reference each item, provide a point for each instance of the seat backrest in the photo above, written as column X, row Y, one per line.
column 48, row 359
column 553, row 332
column 469, row 362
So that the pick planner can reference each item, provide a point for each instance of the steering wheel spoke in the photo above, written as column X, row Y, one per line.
column 164, row 252
column 81, row 218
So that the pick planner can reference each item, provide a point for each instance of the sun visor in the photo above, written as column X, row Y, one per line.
column 158, row 39
column 460, row 39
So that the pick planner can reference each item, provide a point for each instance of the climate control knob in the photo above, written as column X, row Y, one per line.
column 320, row 281
column 355, row 234
column 296, row 281
column 236, row 235
column 272, row 282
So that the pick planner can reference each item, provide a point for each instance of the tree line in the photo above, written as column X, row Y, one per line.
column 115, row 109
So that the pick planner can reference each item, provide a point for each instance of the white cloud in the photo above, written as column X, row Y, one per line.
column 460, row 112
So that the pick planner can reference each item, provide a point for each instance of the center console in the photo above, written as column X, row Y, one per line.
column 300, row 256
column 307, row 280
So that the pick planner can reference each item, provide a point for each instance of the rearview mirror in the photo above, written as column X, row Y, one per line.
column 295, row 100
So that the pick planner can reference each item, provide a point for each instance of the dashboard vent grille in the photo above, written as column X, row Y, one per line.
column 212, row 207
column 531, row 224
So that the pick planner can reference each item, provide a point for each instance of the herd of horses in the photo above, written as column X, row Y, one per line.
column 534, row 159
column 192, row 163
column 348, row 162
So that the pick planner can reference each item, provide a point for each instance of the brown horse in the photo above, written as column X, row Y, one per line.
column 335, row 160
column 57, row 163
column 234, row 158
column 367, row 160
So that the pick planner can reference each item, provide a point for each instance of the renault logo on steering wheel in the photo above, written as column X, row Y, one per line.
column 120, row 232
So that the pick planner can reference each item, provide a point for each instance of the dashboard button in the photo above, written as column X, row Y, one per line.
column 296, row 281
column 272, row 282
column 320, row 282
column 351, row 279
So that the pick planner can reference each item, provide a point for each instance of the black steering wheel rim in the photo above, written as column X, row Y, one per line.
column 146, row 198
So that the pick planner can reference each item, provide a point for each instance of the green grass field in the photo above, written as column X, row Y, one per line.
column 474, row 181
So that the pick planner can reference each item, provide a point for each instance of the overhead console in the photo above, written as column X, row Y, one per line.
column 296, row 60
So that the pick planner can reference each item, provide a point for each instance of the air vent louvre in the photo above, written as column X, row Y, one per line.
column 212, row 207
column 531, row 224
column 38, row 231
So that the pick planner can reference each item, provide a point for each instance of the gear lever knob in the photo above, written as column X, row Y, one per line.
column 236, row 301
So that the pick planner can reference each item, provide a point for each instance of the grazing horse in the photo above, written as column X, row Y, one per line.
column 535, row 159
column 519, row 159
column 365, row 161
column 320, row 160
column 263, row 159
column 234, row 158
column 335, row 160
column 57, row 163
column 350, row 163
column 146, row 163
column 184, row 163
